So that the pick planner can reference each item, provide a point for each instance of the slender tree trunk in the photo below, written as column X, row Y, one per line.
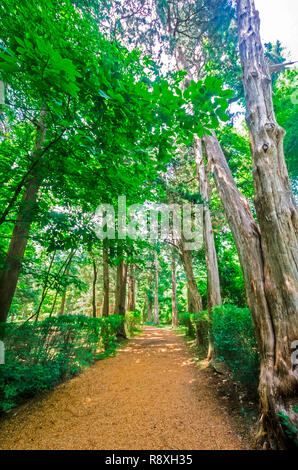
column 278, row 219
column 149, row 296
column 63, row 300
column 94, row 288
column 131, row 304
column 118, row 288
column 213, row 284
column 106, row 281
column 66, row 273
column 12, row 265
column 54, row 303
column 144, row 309
column 156, row 306
column 150, row 310
column 120, row 294
column 174, row 295
column 193, row 295
column 45, row 286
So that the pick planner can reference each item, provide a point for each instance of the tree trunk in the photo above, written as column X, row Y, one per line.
column 12, row 265
column 65, row 273
column 150, row 310
column 94, row 288
column 174, row 295
column 278, row 219
column 45, row 286
column 213, row 284
column 156, row 306
column 149, row 297
column 247, row 238
column 54, row 303
column 120, row 294
column 131, row 304
column 144, row 309
column 193, row 295
column 106, row 281
column 63, row 300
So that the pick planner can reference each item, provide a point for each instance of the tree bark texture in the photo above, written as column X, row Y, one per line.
column 156, row 305
column 247, row 238
column 174, row 295
column 278, row 220
column 106, row 281
column 131, row 302
column 213, row 283
column 194, row 297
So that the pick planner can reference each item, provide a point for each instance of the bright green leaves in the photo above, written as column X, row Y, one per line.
column 8, row 63
column 209, row 101
column 36, row 56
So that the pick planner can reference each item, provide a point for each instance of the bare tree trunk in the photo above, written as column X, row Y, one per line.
column 12, row 265
column 213, row 284
column 174, row 295
column 278, row 220
column 149, row 297
column 54, row 303
column 118, row 288
column 106, row 281
column 156, row 306
column 193, row 295
column 144, row 309
column 63, row 300
column 150, row 310
column 256, row 275
column 120, row 293
column 131, row 304
column 94, row 288
column 66, row 273
column 45, row 286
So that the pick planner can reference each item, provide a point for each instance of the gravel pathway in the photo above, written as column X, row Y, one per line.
column 151, row 395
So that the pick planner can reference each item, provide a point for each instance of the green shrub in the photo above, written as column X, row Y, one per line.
column 132, row 321
column 235, row 343
column 185, row 319
column 38, row 355
column 197, row 326
column 201, row 322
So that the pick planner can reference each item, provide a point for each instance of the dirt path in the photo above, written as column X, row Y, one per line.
column 151, row 395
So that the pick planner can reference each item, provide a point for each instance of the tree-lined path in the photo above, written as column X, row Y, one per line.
column 151, row 395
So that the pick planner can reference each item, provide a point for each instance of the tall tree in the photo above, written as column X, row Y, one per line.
column 120, row 290
column 174, row 293
column 12, row 264
column 156, row 285
column 278, row 219
column 94, row 281
column 194, row 297
column 213, row 283
column 131, row 301
column 106, row 280
column 247, row 236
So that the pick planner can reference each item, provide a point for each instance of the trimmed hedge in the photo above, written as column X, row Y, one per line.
column 38, row 355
